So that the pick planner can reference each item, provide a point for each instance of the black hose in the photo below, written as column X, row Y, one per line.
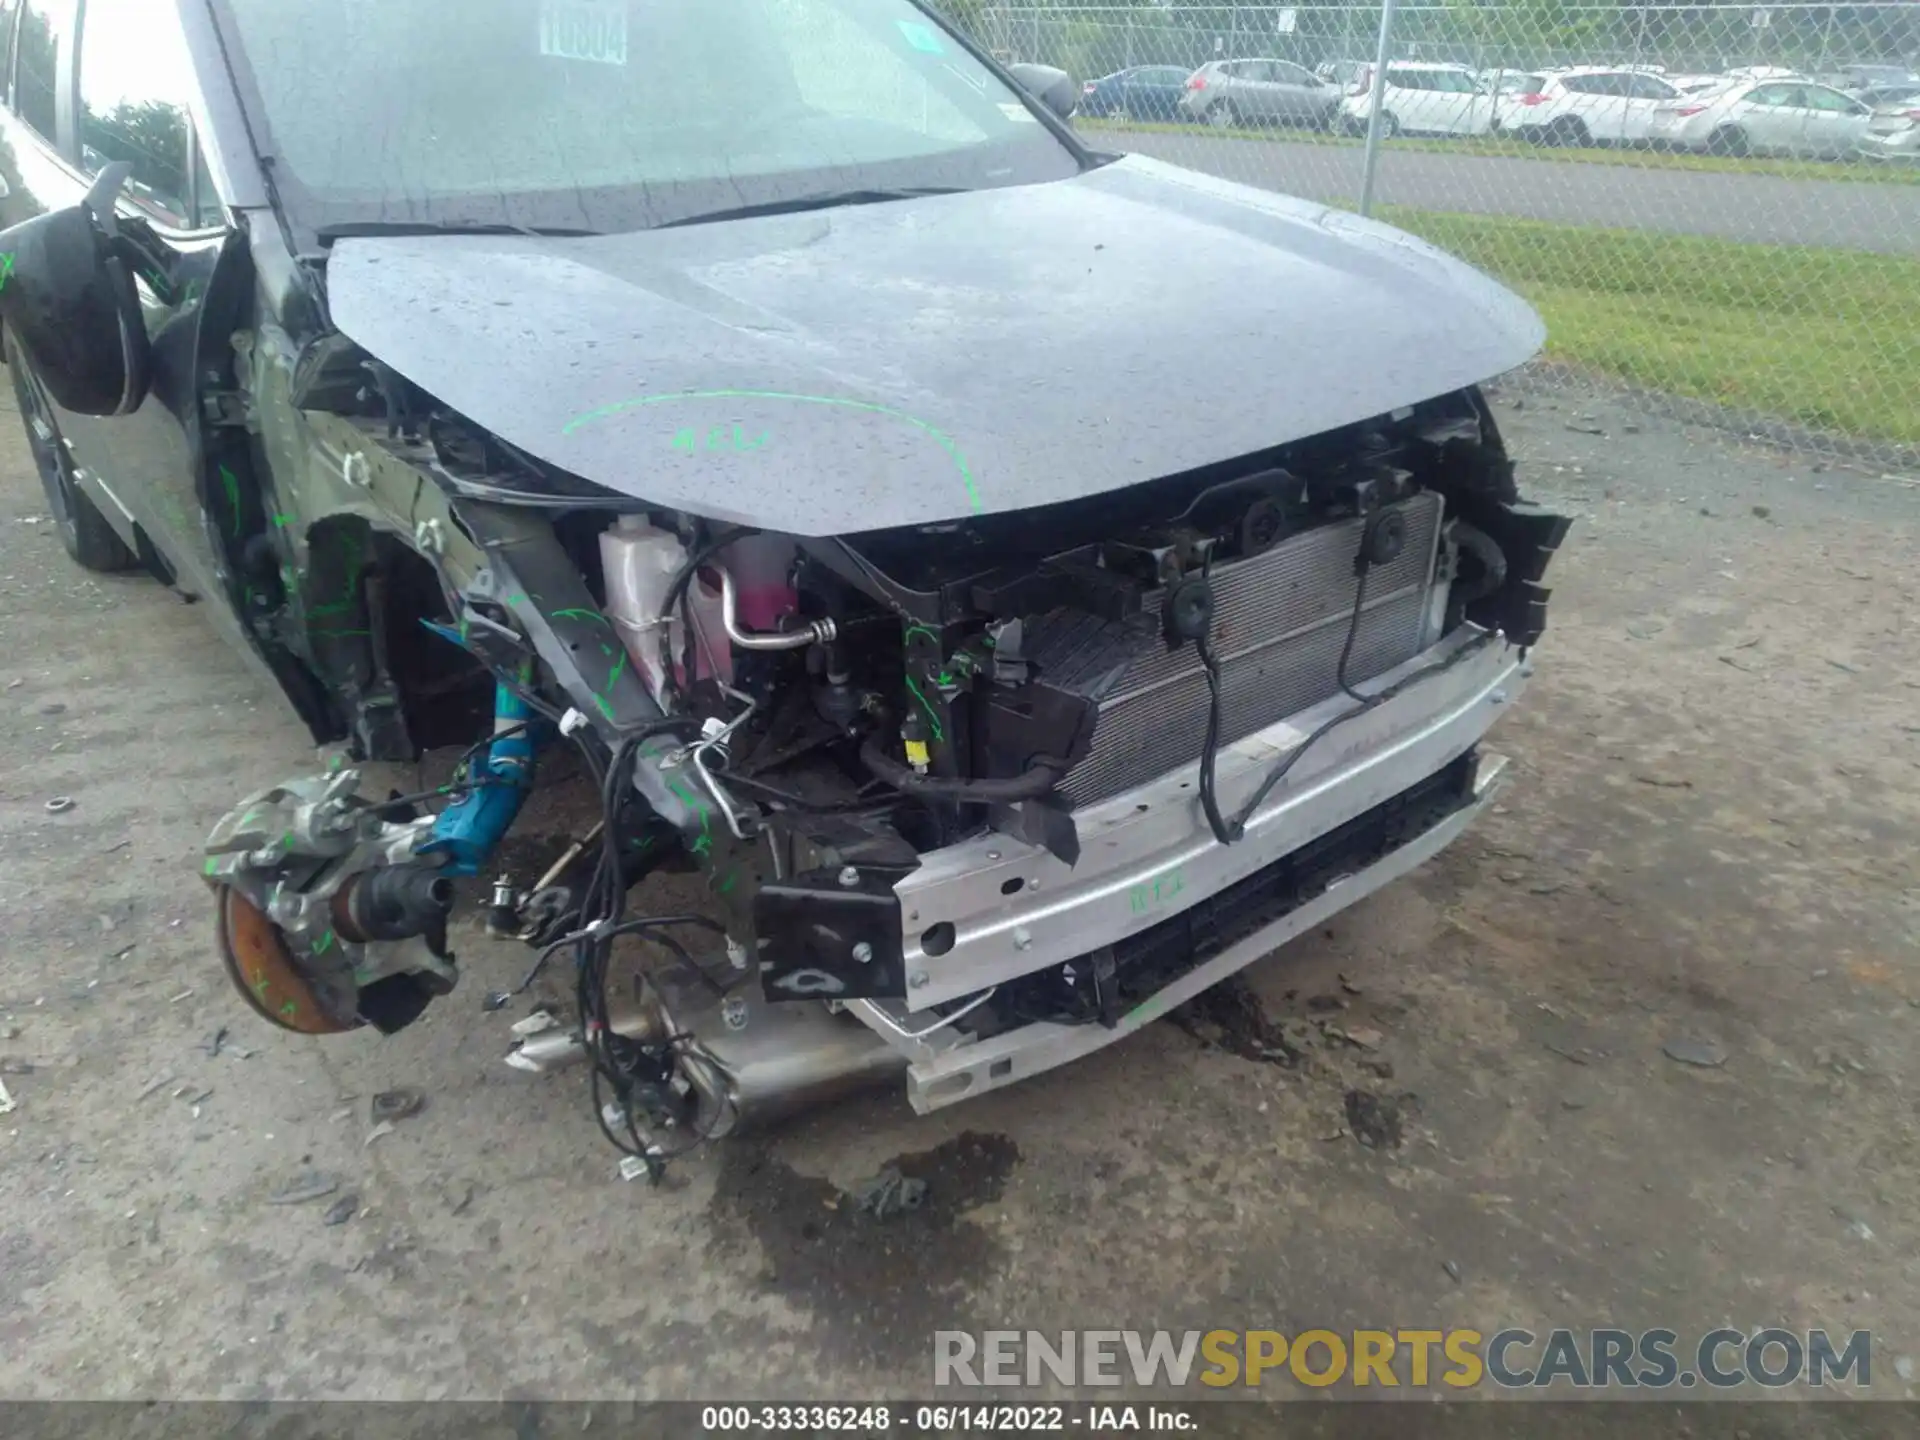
column 1210, row 751
column 1493, row 562
column 1033, row 783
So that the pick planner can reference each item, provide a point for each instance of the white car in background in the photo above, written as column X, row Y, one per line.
column 1587, row 106
column 1503, row 82
column 1894, row 132
column 1695, row 84
column 1420, row 100
column 1766, row 117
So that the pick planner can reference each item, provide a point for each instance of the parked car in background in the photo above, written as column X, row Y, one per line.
column 1588, row 106
column 1259, row 92
column 1696, row 84
column 1344, row 73
column 1893, row 131
column 1144, row 92
column 1765, row 117
column 1511, row 82
column 1875, row 96
column 1421, row 100
column 1853, row 78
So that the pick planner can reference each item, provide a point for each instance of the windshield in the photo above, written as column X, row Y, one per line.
column 610, row 115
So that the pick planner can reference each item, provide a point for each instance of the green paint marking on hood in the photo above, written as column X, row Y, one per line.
column 945, row 441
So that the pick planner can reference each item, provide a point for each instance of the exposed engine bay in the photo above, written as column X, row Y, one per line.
column 970, row 798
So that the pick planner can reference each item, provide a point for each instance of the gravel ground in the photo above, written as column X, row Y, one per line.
column 1711, row 841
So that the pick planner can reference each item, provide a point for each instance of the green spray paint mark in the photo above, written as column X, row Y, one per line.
column 289, row 1009
column 1152, row 894
column 945, row 441
column 704, row 844
column 933, row 716
column 605, row 697
column 211, row 867
column 6, row 268
column 717, row 438
column 913, row 630
column 323, row 944
column 233, row 498
column 726, row 884
column 332, row 607
column 605, row 708
column 578, row 614
column 327, row 634
column 282, row 521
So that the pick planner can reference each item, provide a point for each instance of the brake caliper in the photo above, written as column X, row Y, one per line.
column 328, row 917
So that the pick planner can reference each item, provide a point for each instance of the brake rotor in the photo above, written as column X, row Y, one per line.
column 264, row 970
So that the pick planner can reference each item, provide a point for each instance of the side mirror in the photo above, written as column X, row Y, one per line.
column 1052, row 88
column 67, row 295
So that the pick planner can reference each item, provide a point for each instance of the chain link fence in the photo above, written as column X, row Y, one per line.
column 1716, row 208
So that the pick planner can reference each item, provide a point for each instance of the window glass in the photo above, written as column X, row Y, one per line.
column 1450, row 82
column 46, row 26
column 1774, row 95
column 7, row 7
column 617, row 114
column 1830, row 101
column 1645, row 87
column 134, row 83
column 1291, row 74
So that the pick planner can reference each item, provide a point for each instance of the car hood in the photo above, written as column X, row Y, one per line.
column 919, row 361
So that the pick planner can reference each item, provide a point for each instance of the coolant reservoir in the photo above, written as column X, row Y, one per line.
column 640, row 561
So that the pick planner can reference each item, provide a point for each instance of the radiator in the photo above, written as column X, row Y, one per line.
column 1280, row 619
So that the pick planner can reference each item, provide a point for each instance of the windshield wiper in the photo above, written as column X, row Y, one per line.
column 829, row 201
column 352, row 229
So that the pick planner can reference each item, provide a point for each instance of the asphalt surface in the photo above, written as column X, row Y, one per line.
column 1711, row 839
column 1771, row 209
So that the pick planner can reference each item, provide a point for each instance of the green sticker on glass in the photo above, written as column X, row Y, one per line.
column 923, row 38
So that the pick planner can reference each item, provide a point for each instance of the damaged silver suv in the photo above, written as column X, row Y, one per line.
column 1025, row 585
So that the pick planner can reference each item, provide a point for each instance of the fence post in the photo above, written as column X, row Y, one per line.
column 1379, row 98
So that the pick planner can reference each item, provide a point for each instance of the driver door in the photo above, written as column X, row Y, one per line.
column 130, row 103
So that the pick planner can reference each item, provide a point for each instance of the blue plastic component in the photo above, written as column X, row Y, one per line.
column 467, row 831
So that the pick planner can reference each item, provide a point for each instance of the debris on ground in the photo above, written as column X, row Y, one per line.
column 889, row 1193
column 1229, row 1017
column 1375, row 1119
column 1664, row 782
column 396, row 1104
column 7, row 1103
column 341, row 1211
column 462, row 1201
column 1364, row 1037
column 153, row 1085
column 214, row 1042
column 59, row 805
column 302, row 1188
column 534, row 1024
column 385, row 1127
column 1703, row 1053
column 1452, row 1269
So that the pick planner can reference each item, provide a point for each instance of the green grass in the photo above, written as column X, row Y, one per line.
column 1866, row 171
column 1825, row 338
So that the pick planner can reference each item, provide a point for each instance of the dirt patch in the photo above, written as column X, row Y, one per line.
column 1230, row 1017
column 868, row 1278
